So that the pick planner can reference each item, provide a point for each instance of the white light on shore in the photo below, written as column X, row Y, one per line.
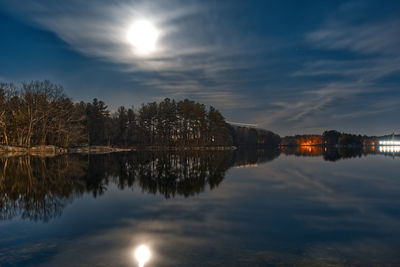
column 389, row 143
column 142, row 255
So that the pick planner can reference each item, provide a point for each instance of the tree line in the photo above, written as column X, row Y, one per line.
column 330, row 153
column 302, row 140
column 253, row 137
column 39, row 113
column 333, row 137
column 330, row 138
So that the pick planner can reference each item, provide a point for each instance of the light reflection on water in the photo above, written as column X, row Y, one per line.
column 142, row 255
column 389, row 149
column 293, row 208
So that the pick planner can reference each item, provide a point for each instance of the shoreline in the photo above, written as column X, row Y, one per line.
column 336, row 146
column 46, row 151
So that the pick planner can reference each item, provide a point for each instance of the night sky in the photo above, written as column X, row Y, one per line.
column 287, row 66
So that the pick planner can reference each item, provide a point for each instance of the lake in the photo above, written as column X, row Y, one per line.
column 295, row 206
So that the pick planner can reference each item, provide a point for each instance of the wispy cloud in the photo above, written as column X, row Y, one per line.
column 370, row 38
column 193, row 55
column 361, row 69
column 309, row 109
column 342, row 84
column 249, row 69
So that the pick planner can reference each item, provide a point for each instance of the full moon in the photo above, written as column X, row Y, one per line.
column 143, row 35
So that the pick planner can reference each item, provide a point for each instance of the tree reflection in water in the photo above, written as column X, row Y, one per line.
column 332, row 153
column 38, row 189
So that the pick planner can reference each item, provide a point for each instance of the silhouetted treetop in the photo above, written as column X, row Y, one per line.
column 38, row 113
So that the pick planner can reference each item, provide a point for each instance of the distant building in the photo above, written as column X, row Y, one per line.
column 390, row 142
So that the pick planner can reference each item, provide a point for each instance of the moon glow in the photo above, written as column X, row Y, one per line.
column 143, row 35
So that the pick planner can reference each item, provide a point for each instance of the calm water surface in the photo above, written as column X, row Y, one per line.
column 302, row 207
